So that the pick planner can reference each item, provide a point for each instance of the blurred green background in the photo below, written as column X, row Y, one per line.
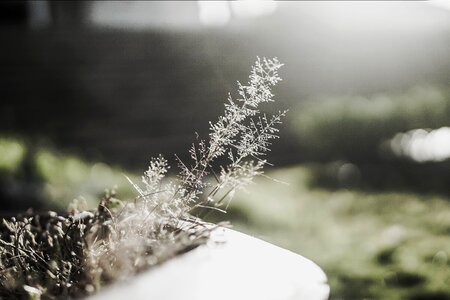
column 91, row 90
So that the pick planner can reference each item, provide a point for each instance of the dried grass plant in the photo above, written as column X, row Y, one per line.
column 51, row 256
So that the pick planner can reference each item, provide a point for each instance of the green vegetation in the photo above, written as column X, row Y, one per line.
column 59, row 177
column 353, row 127
column 371, row 245
column 68, row 177
column 354, row 132
column 11, row 154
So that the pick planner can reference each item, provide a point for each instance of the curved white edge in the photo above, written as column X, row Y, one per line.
column 232, row 265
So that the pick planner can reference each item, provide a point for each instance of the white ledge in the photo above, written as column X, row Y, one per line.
column 242, row 267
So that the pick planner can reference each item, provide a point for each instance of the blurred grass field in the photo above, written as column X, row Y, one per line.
column 385, row 245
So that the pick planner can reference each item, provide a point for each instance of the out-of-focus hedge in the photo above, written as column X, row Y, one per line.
column 347, row 136
column 353, row 127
